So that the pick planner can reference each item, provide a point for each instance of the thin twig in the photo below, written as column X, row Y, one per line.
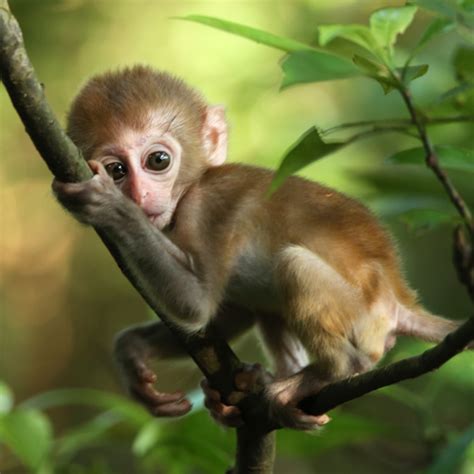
column 432, row 162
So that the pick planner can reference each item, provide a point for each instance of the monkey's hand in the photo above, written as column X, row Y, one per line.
column 250, row 379
column 95, row 201
column 140, row 380
column 284, row 396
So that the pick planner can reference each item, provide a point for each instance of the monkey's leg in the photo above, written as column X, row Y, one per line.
column 135, row 346
column 326, row 313
column 288, row 356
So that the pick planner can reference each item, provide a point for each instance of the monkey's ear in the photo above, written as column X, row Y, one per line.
column 214, row 135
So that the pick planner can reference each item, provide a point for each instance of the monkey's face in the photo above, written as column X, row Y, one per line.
column 145, row 165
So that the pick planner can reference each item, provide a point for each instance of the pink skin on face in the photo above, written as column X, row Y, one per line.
column 152, row 189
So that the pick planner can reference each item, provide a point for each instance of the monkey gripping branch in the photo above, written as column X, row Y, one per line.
column 255, row 440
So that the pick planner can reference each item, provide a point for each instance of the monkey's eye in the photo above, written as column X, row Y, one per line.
column 158, row 161
column 116, row 170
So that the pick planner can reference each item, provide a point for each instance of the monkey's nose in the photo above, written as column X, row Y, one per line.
column 139, row 197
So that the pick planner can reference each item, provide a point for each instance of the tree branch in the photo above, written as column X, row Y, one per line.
column 432, row 162
column 337, row 393
column 463, row 247
column 212, row 354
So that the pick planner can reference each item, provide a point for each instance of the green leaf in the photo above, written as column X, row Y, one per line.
column 147, row 438
column 397, row 201
column 424, row 220
column 309, row 148
column 6, row 398
column 387, row 23
column 376, row 71
column 259, row 36
column 87, row 434
column 463, row 64
column 452, row 456
column 450, row 157
column 358, row 34
column 466, row 5
column 438, row 6
column 454, row 93
column 28, row 434
column 313, row 66
column 411, row 73
column 130, row 411
column 370, row 67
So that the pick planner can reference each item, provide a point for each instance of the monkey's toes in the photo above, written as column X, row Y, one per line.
column 227, row 415
column 161, row 403
column 297, row 419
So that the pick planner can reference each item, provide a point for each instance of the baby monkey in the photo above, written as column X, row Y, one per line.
column 312, row 268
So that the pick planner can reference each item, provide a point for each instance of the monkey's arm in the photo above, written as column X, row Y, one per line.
column 180, row 292
column 135, row 346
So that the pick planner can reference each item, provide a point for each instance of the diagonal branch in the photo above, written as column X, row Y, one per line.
column 212, row 354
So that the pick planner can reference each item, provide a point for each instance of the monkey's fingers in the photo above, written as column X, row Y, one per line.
column 160, row 403
column 210, row 392
column 142, row 373
column 98, row 168
column 299, row 420
column 303, row 421
column 227, row 415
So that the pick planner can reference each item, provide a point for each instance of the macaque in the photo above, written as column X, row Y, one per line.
column 312, row 268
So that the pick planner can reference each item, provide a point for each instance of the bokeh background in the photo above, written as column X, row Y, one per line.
column 62, row 298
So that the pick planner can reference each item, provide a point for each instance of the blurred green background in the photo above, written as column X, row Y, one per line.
column 62, row 298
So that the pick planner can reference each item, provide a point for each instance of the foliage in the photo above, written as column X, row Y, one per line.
column 373, row 55
column 174, row 447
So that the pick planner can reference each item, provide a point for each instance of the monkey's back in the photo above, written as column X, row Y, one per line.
column 237, row 216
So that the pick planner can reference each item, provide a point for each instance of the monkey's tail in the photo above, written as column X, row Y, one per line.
column 420, row 323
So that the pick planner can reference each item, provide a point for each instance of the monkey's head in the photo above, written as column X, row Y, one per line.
column 154, row 135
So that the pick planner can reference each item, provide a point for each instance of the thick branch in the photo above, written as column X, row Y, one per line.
column 340, row 392
column 213, row 356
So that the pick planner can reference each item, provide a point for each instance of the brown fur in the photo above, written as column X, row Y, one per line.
column 313, row 266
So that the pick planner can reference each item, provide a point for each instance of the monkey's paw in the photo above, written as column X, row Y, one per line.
column 251, row 378
column 284, row 399
column 95, row 201
column 141, row 385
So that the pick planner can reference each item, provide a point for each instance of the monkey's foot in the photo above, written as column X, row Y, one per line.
column 227, row 415
column 284, row 398
column 251, row 377
column 141, row 385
